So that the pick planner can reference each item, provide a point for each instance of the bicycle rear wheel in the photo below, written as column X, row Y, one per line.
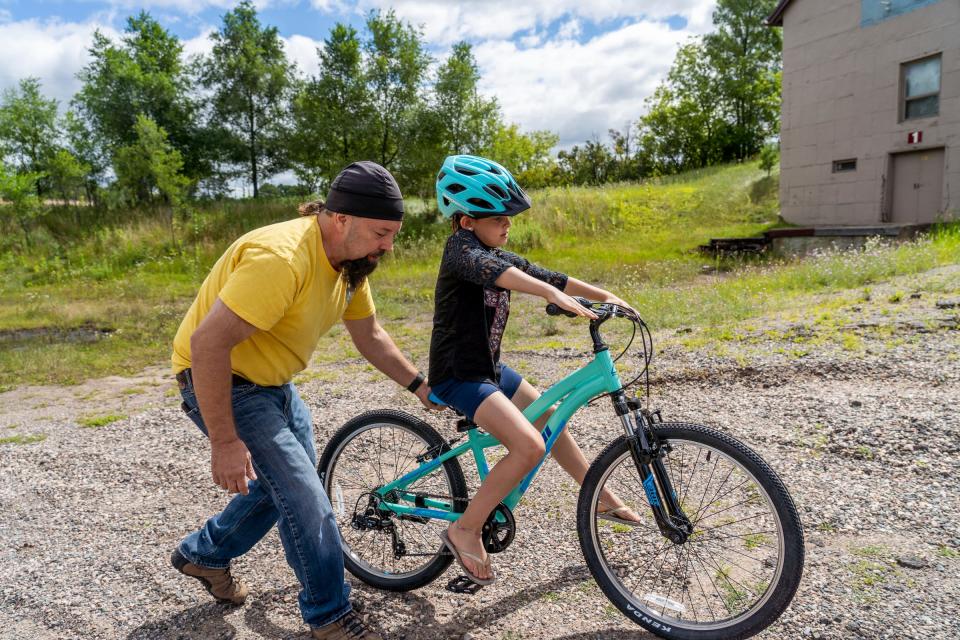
column 368, row 452
column 736, row 572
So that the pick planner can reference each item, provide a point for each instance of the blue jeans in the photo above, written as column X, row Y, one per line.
column 275, row 425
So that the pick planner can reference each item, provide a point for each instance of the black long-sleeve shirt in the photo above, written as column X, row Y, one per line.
column 470, row 311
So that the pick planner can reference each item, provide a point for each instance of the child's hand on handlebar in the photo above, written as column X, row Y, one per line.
column 569, row 303
column 620, row 303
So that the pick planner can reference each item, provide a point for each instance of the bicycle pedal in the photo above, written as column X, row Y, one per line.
column 463, row 584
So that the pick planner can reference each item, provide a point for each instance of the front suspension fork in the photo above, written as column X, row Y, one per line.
column 647, row 453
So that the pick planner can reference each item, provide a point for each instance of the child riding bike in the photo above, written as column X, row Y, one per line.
column 471, row 306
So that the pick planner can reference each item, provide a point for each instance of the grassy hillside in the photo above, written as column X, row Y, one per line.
column 101, row 293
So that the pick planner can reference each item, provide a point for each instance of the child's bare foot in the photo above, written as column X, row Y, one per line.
column 468, row 548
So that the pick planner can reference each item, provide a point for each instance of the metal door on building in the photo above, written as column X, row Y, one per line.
column 917, row 186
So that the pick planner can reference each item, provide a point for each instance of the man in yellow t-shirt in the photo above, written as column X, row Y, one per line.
column 254, row 324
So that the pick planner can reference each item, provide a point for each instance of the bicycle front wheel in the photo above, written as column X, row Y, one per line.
column 396, row 553
column 734, row 574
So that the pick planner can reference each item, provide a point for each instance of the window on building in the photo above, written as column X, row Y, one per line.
column 841, row 166
column 921, row 88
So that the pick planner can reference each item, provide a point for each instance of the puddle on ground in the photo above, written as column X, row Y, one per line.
column 82, row 334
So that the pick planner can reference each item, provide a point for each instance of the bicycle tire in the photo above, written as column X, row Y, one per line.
column 669, row 622
column 332, row 462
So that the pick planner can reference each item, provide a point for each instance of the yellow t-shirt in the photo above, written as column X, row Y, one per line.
column 278, row 279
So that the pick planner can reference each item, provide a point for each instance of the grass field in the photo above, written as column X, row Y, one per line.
column 102, row 292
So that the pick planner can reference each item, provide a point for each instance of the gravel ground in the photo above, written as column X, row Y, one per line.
column 857, row 414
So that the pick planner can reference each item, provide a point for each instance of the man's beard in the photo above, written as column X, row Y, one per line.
column 357, row 270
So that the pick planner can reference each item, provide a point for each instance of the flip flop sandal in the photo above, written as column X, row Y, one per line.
column 483, row 582
column 611, row 515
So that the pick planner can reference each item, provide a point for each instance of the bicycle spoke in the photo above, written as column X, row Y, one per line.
column 745, row 556
column 706, row 600
column 709, row 480
column 663, row 609
column 692, row 475
column 714, row 498
column 362, row 464
column 715, row 589
column 702, row 514
column 743, row 535
column 721, row 526
column 710, row 578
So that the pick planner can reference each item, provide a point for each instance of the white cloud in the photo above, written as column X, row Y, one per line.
column 56, row 51
column 445, row 22
column 533, row 39
column 5, row 15
column 570, row 29
column 579, row 90
column 199, row 44
column 52, row 51
column 576, row 89
column 188, row 7
column 303, row 51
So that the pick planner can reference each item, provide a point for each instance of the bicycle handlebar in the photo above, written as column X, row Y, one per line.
column 554, row 310
column 604, row 310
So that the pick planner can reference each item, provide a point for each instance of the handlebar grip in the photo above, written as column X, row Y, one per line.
column 554, row 310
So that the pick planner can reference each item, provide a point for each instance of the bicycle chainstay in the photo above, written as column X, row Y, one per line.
column 497, row 536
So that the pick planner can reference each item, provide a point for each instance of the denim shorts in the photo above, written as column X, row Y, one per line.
column 466, row 396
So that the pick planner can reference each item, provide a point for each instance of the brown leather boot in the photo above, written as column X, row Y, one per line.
column 218, row 582
column 349, row 627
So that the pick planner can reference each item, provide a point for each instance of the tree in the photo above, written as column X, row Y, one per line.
column 720, row 100
column 67, row 176
column 143, row 74
column 452, row 118
column 747, row 55
column 684, row 126
column 19, row 190
column 526, row 155
column 332, row 112
column 769, row 157
column 589, row 164
column 83, row 145
column 397, row 64
column 251, row 82
column 150, row 167
column 468, row 121
column 28, row 127
column 627, row 161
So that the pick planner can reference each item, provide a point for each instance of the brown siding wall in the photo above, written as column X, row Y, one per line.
column 841, row 93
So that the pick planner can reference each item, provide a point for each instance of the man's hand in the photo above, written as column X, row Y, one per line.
column 231, row 466
column 423, row 394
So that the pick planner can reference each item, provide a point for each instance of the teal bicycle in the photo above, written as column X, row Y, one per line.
column 720, row 551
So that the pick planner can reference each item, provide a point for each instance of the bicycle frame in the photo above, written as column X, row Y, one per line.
column 569, row 394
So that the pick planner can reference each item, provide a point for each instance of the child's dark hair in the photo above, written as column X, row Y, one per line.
column 455, row 221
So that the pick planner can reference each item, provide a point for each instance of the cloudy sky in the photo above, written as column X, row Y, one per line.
column 576, row 68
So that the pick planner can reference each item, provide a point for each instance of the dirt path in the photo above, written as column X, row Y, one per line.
column 864, row 432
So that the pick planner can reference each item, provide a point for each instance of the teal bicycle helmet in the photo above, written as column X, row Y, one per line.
column 479, row 188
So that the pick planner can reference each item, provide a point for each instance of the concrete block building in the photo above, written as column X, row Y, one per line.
column 870, row 130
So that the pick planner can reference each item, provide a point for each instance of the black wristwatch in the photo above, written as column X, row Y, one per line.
column 413, row 386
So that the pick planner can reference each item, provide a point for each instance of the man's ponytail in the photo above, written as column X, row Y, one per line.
column 314, row 208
